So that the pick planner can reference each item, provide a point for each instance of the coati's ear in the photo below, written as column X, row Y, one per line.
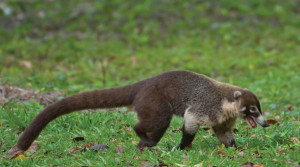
column 237, row 94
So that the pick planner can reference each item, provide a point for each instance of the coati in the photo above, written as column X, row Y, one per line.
column 197, row 98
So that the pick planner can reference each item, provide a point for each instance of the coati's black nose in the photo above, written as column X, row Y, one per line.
column 265, row 125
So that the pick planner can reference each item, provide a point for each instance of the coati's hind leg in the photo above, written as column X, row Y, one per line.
column 154, row 115
column 224, row 132
column 189, row 130
column 149, row 138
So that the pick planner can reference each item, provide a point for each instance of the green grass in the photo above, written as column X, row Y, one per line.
column 250, row 44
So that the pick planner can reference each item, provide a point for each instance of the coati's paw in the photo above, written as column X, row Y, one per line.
column 15, row 151
column 178, row 148
column 140, row 149
column 232, row 143
column 145, row 145
column 182, row 147
column 229, row 144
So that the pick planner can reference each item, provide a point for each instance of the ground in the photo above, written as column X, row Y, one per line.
column 73, row 46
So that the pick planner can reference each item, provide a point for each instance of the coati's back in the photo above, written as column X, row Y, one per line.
column 184, row 88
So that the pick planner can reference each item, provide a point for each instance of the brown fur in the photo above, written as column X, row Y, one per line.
column 155, row 100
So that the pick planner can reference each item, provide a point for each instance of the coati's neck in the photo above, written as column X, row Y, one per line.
column 230, row 106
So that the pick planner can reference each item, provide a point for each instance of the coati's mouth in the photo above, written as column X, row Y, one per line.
column 251, row 122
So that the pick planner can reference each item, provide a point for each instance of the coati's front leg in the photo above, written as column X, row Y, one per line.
column 189, row 130
column 224, row 133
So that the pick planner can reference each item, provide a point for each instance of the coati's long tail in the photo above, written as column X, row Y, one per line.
column 106, row 98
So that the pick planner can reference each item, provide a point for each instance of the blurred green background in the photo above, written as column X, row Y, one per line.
column 82, row 42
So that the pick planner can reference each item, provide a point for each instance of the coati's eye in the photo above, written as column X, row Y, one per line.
column 252, row 108
column 253, row 111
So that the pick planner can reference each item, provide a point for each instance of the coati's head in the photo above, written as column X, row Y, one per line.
column 249, row 108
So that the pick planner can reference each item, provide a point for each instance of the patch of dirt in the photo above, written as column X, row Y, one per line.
column 12, row 94
column 19, row 95
column 48, row 98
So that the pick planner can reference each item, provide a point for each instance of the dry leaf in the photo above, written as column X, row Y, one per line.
column 128, row 129
column 86, row 145
column 261, row 138
column 241, row 149
column 119, row 149
column 21, row 156
column 241, row 154
column 26, row 64
column 258, row 165
column 273, row 122
column 277, row 117
column 281, row 150
column 292, row 148
column 247, row 164
column 134, row 142
column 110, row 58
column 295, row 140
column 136, row 157
column 78, row 139
column 75, row 149
column 147, row 164
column 223, row 153
column 258, row 155
column 100, row 147
column 290, row 107
column 112, row 139
column 289, row 160
column 176, row 130
column 161, row 163
column 235, row 130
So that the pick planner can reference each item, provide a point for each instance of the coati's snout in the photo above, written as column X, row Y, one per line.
column 252, row 119
column 249, row 109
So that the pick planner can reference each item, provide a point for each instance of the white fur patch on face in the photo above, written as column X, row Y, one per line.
column 260, row 119
column 191, row 123
column 230, row 110
column 243, row 109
